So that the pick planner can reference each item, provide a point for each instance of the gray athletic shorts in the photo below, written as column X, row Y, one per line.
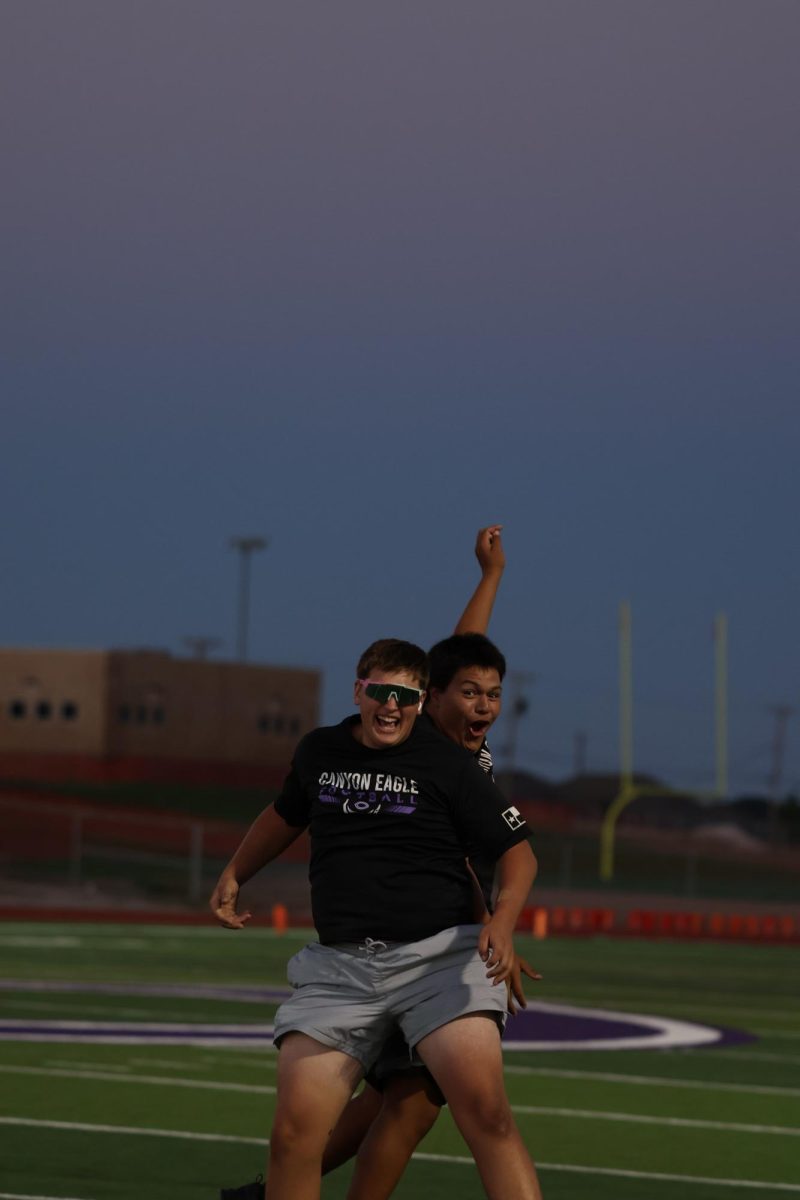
column 397, row 1058
column 353, row 998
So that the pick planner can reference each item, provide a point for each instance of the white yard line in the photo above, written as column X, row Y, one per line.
column 152, row 1080
column 136, row 1131
column 747, row 1089
column 171, row 1064
column 29, row 1196
column 620, row 1173
column 545, row 1072
column 74, row 1064
column 637, row 1118
column 459, row 1160
column 525, row 1109
column 705, row 1180
column 735, row 1054
column 40, row 941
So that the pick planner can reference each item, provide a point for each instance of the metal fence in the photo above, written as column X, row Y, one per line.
column 168, row 858
column 118, row 850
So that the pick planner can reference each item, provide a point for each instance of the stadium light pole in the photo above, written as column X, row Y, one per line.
column 246, row 547
column 627, row 791
column 721, row 702
column 517, row 709
column 625, row 697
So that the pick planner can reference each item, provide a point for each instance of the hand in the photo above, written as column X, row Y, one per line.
column 516, row 996
column 489, row 549
column 496, row 948
column 223, row 904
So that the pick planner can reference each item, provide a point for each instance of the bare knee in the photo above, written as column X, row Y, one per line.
column 411, row 1109
column 293, row 1136
column 486, row 1115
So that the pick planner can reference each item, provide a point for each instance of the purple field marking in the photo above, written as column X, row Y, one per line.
column 200, row 991
column 540, row 1027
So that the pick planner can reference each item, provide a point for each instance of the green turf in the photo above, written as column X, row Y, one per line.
column 589, row 1097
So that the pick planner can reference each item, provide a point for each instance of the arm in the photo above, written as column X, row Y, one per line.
column 489, row 553
column 482, row 916
column 267, row 837
column 516, row 871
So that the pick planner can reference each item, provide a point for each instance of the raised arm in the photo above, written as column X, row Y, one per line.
column 267, row 837
column 489, row 553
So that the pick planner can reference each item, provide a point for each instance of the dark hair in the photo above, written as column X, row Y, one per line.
column 391, row 654
column 463, row 650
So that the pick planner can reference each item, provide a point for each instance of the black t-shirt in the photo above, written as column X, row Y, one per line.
column 390, row 829
column 482, row 865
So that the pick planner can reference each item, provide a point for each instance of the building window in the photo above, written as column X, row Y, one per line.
column 157, row 716
column 141, row 715
column 69, row 710
column 17, row 709
column 279, row 725
column 124, row 713
column 44, row 710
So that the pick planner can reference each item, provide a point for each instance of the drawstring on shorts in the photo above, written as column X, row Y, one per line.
column 373, row 946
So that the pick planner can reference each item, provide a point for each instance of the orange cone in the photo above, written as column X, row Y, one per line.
column 539, row 926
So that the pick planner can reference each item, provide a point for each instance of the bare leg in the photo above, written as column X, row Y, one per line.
column 314, row 1085
column 465, row 1058
column 407, row 1113
column 351, row 1128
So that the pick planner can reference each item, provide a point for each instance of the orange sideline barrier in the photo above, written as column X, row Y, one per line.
column 542, row 921
column 573, row 921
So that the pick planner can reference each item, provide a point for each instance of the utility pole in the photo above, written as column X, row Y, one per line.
column 625, row 697
column 627, row 792
column 721, row 702
column 517, row 708
column 781, row 713
column 246, row 547
column 201, row 645
column 579, row 759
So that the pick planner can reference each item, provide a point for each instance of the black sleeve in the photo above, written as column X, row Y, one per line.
column 483, row 817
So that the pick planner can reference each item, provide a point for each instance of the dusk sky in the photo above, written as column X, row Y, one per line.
column 361, row 278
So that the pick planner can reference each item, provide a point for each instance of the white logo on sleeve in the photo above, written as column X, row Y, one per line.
column 512, row 818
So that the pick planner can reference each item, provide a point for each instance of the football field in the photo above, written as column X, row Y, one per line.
column 135, row 1062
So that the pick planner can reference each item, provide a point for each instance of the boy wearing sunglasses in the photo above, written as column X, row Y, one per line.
column 391, row 805
column 401, row 1101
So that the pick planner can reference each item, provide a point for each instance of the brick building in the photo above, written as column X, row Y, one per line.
column 142, row 714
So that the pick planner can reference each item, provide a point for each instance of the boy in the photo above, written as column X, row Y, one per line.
column 391, row 806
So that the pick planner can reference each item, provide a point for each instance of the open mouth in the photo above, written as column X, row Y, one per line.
column 387, row 724
column 477, row 729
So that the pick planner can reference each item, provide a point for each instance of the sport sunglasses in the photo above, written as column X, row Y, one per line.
column 383, row 692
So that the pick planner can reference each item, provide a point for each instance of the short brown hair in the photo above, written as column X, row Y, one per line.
column 392, row 654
